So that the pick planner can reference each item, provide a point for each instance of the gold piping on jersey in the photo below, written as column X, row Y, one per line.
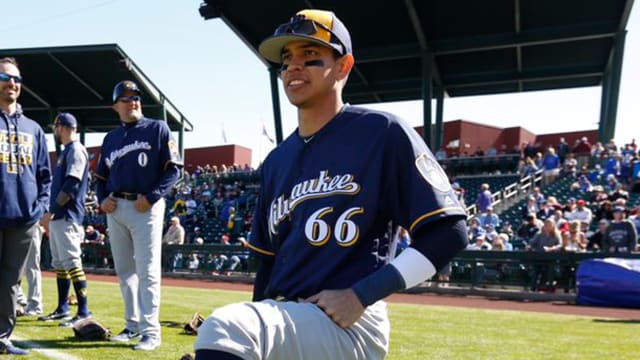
column 256, row 249
column 430, row 214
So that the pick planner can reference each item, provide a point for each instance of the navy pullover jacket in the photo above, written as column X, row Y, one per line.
column 25, row 174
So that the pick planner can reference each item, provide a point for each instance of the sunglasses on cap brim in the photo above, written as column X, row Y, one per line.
column 306, row 27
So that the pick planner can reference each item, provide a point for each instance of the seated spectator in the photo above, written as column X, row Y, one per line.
column 491, row 151
column 562, row 224
column 530, row 207
column 503, row 241
column 529, row 168
column 92, row 236
column 529, row 228
column 621, row 235
column 537, row 195
column 605, row 210
column 594, row 242
column 491, row 233
column 574, row 240
column 507, row 229
column 489, row 218
column 455, row 185
column 479, row 152
column 547, row 240
column 194, row 262
column 441, row 154
column 570, row 165
column 598, row 195
column 553, row 203
column 583, row 185
column 175, row 233
column 197, row 233
column 480, row 243
column 611, row 183
column 619, row 193
column 569, row 206
column 545, row 211
column 475, row 229
column 582, row 214
column 91, row 203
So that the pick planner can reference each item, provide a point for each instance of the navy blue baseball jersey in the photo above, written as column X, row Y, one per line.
column 134, row 157
column 327, row 218
column 74, row 162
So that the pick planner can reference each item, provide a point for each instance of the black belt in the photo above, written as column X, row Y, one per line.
column 125, row 195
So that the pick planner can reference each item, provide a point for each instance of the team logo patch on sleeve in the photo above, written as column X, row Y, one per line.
column 431, row 171
column 173, row 147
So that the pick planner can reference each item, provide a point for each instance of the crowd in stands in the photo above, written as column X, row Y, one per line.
column 214, row 205
column 600, row 212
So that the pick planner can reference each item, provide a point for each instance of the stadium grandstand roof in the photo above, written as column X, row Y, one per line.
column 80, row 80
column 478, row 47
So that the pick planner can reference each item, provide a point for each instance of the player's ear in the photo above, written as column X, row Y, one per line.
column 345, row 64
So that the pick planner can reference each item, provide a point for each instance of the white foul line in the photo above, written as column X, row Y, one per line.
column 50, row 353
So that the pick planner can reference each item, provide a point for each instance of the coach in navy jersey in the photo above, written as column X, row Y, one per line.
column 139, row 163
column 331, row 195
column 25, row 182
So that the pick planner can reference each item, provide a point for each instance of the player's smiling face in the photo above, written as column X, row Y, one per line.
column 308, row 83
column 129, row 110
column 9, row 90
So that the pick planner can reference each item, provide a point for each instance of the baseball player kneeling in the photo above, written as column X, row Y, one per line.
column 331, row 195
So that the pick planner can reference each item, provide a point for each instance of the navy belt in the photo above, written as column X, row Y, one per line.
column 126, row 195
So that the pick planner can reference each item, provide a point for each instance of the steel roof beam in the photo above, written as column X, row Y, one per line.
column 489, row 42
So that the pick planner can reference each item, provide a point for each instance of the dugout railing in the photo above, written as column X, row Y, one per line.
column 518, row 270
column 527, row 270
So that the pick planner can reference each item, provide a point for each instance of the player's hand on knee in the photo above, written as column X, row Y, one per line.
column 108, row 205
column 342, row 306
column 142, row 204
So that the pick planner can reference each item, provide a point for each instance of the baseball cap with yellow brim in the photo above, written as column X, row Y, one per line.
column 318, row 26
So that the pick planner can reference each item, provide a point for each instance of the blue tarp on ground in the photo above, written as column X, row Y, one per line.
column 609, row 282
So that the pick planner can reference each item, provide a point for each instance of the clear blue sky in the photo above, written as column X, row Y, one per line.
column 213, row 78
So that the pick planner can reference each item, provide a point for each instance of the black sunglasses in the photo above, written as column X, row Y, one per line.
column 301, row 26
column 7, row 77
column 127, row 99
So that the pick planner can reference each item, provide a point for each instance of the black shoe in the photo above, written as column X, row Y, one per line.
column 56, row 315
column 11, row 349
column 71, row 322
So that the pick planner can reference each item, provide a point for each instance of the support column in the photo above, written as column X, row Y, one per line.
column 83, row 134
column 181, row 140
column 439, row 121
column 427, row 94
column 616, row 72
column 604, row 104
column 275, row 102
column 53, row 112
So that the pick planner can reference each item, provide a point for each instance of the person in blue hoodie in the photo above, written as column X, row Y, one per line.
column 25, row 182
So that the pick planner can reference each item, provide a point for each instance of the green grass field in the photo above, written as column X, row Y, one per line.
column 418, row 332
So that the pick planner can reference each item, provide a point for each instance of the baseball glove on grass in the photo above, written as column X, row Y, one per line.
column 191, row 328
column 90, row 330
